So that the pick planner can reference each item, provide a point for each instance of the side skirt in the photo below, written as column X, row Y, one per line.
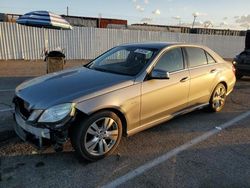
column 152, row 124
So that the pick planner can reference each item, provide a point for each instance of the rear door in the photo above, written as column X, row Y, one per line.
column 203, row 70
column 162, row 97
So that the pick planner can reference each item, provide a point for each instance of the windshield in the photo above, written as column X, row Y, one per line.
column 123, row 60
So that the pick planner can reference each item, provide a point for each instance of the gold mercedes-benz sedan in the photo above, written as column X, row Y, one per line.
column 126, row 90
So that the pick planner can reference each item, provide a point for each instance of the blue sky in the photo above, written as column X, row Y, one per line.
column 219, row 13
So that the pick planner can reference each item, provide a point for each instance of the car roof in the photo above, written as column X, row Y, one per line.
column 154, row 45
column 162, row 45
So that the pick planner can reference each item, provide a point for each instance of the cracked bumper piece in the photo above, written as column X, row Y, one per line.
column 40, row 137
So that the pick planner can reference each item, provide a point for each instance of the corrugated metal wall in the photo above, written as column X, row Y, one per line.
column 23, row 42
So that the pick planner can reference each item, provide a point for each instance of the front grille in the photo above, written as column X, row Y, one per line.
column 23, row 107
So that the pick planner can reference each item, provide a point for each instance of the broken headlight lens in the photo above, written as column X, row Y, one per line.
column 34, row 115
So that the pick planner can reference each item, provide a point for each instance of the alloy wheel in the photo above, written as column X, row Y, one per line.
column 101, row 136
column 219, row 97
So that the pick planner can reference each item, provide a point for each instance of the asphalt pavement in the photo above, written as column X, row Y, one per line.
column 220, row 160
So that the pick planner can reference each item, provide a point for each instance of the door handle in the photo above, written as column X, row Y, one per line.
column 184, row 79
column 213, row 71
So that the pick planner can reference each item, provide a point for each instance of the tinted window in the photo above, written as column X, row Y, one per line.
column 171, row 61
column 196, row 56
column 210, row 59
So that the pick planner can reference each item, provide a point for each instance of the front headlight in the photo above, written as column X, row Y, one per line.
column 35, row 114
column 57, row 113
column 234, row 62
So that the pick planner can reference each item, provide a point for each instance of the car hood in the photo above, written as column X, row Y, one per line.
column 72, row 85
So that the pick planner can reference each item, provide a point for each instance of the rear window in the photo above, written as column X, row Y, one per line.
column 210, row 59
column 196, row 56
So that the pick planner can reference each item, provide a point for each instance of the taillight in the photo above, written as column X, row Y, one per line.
column 233, row 69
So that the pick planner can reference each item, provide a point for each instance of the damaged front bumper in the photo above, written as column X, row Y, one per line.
column 40, row 137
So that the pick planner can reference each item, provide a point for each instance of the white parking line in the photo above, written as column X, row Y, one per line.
column 147, row 166
column 6, row 90
column 6, row 109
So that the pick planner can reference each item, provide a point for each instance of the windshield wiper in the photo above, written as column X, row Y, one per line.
column 109, row 71
column 100, row 69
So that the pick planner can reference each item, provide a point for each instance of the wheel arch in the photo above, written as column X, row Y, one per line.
column 224, row 83
column 81, row 115
column 220, row 82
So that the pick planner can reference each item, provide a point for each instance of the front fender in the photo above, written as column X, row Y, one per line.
column 125, row 100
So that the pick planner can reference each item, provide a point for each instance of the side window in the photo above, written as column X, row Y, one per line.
column 210, row 59
column 171, row 61
column 196, row 56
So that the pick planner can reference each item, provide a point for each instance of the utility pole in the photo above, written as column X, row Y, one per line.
column 99, row 20
column 195, row 16
column 67, row 10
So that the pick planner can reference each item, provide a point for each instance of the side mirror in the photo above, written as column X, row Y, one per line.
column 159, row 74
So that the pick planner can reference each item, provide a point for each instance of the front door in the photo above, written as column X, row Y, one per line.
column 163, row 97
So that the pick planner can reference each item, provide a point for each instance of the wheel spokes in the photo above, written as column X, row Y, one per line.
column 106, row 148
column 108, row 122
column 216, row 103
column 222, row 101
column 222, row 92
column 100, row 147
column 94, row 126
column 92, row 131
column 217, row 93
column 92, row 144
column 112, row 135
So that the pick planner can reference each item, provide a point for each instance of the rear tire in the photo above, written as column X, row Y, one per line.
column 218, row 98
column 97, row 136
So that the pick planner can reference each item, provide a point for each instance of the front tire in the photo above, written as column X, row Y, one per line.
column 97, row 136
column 218, row 98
